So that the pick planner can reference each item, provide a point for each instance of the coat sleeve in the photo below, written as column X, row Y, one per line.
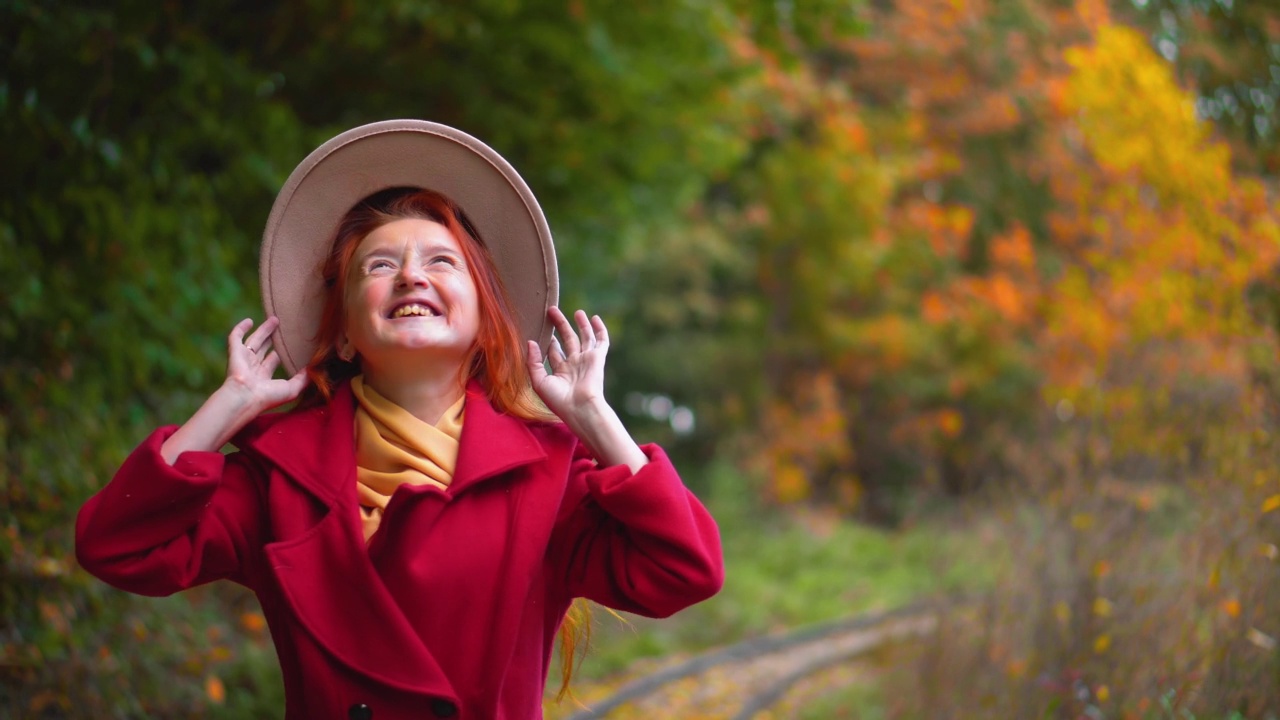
column 641, row 542
column 157, row 528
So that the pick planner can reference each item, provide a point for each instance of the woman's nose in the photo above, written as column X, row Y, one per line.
column 411, row 274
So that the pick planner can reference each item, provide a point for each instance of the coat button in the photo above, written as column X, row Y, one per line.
column 360, row 711
column 443, row 708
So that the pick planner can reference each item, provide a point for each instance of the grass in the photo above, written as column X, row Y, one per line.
column 862, row 700
column 794, row 567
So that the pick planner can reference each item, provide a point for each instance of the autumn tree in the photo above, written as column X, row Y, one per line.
column 1021, row 209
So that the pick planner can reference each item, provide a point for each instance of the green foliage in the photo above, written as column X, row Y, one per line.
column 149, row 143
column 127, row 239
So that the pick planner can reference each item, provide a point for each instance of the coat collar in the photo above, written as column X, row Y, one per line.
column 316, row 446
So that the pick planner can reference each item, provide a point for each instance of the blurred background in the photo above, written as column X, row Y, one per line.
column 928, row 298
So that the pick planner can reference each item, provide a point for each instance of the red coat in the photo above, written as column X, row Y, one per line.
column 452, row 608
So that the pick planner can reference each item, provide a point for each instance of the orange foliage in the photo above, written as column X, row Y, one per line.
column 895, row 255
column 805, row 436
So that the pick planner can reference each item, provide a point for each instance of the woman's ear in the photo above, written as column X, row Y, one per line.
column 344, row 348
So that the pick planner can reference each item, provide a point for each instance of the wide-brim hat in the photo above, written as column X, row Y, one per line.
column 401, row 153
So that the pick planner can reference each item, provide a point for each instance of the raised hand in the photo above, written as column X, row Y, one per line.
column 574, row 389
column 248, row 391
column 251, row 365
column 576, row 380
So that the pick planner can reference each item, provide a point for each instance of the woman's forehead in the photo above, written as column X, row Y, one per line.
column 408, row 234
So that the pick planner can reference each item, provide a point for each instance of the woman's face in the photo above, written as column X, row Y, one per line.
column 410, row 293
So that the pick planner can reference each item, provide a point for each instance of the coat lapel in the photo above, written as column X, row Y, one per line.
column 335, row 593
column 492, row 443
column 324, row 573
column 314, row 447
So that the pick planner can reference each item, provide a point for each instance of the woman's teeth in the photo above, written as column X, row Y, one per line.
column 407, row 310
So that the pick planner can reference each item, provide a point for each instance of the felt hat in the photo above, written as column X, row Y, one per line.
column 401, row 153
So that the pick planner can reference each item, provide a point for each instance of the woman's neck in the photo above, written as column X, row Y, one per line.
column 426, row 398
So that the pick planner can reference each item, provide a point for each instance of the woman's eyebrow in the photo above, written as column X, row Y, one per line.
column 383, row 252
column 394, row 253
column 434, row 249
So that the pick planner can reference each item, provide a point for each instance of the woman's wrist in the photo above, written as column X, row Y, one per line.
column 236, row 400
column 227, row 410
column 598, row 426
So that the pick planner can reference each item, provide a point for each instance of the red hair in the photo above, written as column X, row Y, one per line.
column 496, row 358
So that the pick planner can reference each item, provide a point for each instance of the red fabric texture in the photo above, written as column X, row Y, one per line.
column 453, row 607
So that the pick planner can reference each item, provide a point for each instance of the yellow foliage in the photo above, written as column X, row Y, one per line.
column 1162, row 243
column 1062, row 612
column 220, row 653
column 1102, row 643
column 1102, row 607
column 890, row 339
column 1270, row 504
column 790, row 484
column 1138, row 121
column 1082, row 521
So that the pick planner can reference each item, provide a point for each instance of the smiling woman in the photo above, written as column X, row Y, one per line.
column 417, row 526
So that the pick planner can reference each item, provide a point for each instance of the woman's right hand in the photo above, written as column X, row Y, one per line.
column 248, row 391
column 251, row 364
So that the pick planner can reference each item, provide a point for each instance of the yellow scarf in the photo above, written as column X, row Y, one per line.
column 393, row 447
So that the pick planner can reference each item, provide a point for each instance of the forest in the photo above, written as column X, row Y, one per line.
column 925, row 298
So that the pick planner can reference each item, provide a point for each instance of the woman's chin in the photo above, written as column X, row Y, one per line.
column 416, row 351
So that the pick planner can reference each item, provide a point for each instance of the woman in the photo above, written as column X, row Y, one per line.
column 417, row 526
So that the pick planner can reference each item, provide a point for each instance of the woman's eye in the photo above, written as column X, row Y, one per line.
column 380, row 265
column 443, row 259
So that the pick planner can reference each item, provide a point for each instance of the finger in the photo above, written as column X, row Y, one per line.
column 586, row 337
column 260, row 352
column 556, row 356
column 236, row 336
column 298, row 382
column 270, row 363
column 537, row 370
column 601, row 332
column 564, row 330
column 259, row 338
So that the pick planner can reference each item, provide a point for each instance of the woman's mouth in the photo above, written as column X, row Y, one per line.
column 413, row 310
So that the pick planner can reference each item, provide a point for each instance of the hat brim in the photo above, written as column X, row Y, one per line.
column 400, row 153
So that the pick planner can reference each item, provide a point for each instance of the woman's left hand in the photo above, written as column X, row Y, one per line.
column 575, row 385
column 574, row 389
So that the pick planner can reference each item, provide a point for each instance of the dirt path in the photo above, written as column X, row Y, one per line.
column 741, row 681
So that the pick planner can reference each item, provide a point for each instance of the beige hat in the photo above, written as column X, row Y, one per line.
column 400, row 153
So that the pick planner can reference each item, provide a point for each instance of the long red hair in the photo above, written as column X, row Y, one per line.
column 496, row 358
